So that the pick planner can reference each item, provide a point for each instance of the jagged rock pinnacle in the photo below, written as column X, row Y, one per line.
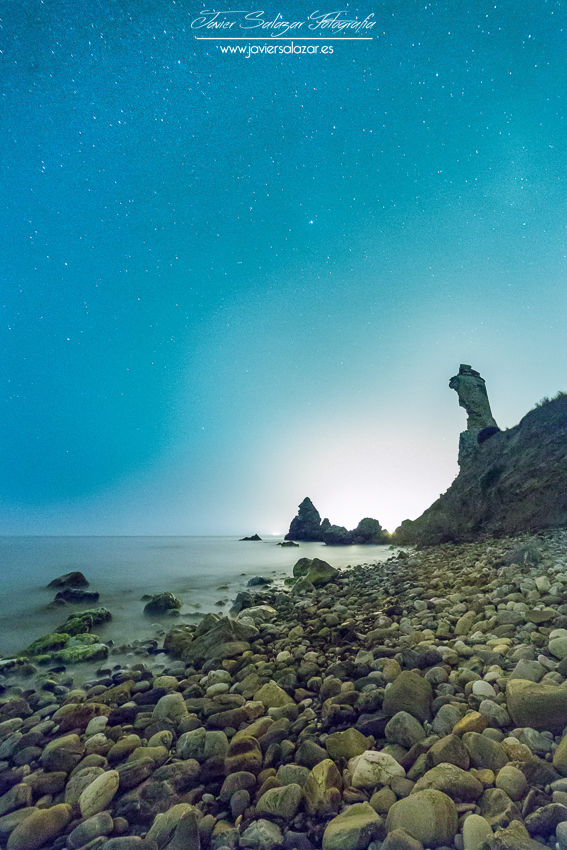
column 471, row 389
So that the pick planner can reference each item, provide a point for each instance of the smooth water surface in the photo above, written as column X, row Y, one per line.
column 205, row 573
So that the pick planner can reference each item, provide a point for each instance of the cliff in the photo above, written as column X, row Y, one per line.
column 512, row 481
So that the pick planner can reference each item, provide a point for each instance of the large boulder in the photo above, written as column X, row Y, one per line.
column 430, row 816
column 76, row 651
column 41, row 826
column 372, row 768
column 409, row 692
column 258, row 614
column 320, row 573
column 460, row 785
column 539, row 705
column 73, row 594
column 81, row 622
column 47, row 644
column 74, row 644
column 162, row 603
column 353, row 829
column 75, row 579
column 225, row 639
column 178, row 639
column 322, row 789
column 301, row 567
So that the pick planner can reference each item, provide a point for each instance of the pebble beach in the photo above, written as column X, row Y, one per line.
column 416, row 706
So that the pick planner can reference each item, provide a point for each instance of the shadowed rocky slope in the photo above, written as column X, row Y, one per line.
column 514, row 481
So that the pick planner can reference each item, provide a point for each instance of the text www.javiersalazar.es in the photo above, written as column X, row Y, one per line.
column 248, row 50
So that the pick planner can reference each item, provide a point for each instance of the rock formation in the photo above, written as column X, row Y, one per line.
column 307, row 524
column 367, row 531
column 75, row 579
column 337, row 535
column 471, row 389
column 516, row 481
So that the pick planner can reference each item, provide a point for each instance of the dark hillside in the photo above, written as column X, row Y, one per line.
column 515, row 481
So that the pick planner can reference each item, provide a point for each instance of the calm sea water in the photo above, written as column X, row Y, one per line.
column 205, row 573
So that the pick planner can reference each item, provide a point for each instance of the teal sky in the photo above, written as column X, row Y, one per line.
column 228, row 283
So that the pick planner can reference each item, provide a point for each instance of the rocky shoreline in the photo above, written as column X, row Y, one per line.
column 420, row 703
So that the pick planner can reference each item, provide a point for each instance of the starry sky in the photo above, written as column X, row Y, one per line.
column 229, row 282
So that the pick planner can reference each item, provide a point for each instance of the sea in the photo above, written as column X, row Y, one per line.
column 204, row 573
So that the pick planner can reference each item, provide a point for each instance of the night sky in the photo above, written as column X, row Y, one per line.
column 230, row 282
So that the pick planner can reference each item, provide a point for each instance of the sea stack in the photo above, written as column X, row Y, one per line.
column 307, row 524
column 471, row 389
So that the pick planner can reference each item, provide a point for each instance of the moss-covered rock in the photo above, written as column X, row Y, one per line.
column 48, row 643
column 70, row 645
column 301, row 567
column 80, row 622
column 303, row 585
column 320, row 572
column 85, row 652
column 178, row 639
column 85, row 639
column 354, row 828
column 161, row 603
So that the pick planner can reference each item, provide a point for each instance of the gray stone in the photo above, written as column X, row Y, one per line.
column 280, row 802
column 18, row 797
column 409, row 692
column 430, row 816
column 533, row 671
column 403, row 729
column 235, row 782
column 261, row 835
column 191, row 745
column 476, row 830
column 511, row 780
column 539, row 705
column 292, row 774
column 93, row 827
column 458, row 784
column 165, row 825
column 399, row 839
column 561, row 835
column 239, row 802
column 226, row 639
column 484, row 752
column 538, row 743
column 373, row 768
column 497, row 807
column 449, row 749
column 10, row 821
column 496, row 715
column 445, row 719
column 353, row 829
column 545, row 819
